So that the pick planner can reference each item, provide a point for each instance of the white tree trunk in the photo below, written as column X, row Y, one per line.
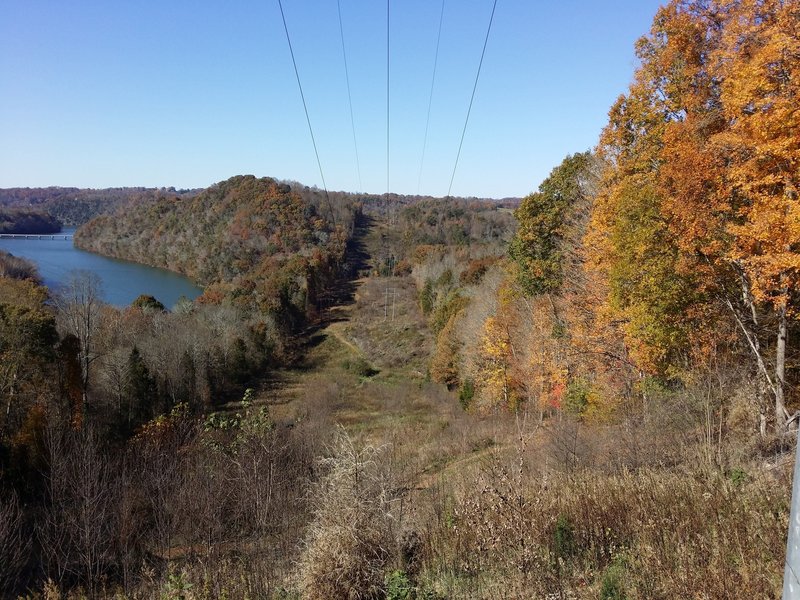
column 780, row 370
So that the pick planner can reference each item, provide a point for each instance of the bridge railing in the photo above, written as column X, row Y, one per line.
column 37, row 236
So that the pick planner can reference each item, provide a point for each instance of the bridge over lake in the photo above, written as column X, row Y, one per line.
column 36, row 236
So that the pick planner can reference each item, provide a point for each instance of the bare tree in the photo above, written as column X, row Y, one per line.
column 77, row 530
column 15, row 545
column 79, row 304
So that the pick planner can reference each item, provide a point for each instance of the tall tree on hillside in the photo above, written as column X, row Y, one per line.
column 557, row 293
column 707, row 137
column 730, row 170
column 758, row 64
column 540, row 244
column 653, row 288
column 27, row 337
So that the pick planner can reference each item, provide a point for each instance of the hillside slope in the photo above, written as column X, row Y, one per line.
column 253, row 241
column 75, row 206
column 22, row 220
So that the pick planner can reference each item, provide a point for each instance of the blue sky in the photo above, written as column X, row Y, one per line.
column 186, row 93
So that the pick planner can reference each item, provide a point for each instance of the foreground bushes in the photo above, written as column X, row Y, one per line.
column 351, row 539
column 505, row 530
column 634, row 535
column 217, row 502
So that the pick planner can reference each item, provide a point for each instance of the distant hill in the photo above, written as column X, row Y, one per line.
column 74, row 206
column 254, row 242
column 22, row 220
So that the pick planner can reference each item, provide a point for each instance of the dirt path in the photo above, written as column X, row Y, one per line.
column 337, row 330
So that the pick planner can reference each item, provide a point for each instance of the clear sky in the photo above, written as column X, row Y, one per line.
column 185, row 93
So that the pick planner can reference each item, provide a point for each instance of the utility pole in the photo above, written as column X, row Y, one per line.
column 386, row 303
column 394, row 301
column 791, row 572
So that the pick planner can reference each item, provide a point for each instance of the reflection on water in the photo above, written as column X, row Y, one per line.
column 122, row 281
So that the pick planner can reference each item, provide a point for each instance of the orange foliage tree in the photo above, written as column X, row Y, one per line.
column 700, row 206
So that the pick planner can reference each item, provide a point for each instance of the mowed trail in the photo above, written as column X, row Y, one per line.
column 363, row 367
column 372, row 333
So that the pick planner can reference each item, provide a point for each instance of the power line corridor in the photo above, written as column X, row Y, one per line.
column 352, row 111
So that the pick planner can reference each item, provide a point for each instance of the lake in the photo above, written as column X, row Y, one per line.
column 122, row 281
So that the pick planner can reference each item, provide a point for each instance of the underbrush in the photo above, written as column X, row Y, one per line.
column 418, row 499
column 644, row 534
column 507, row 527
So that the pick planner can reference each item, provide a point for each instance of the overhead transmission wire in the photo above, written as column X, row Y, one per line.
column 471, row 100
column 387, row 99
column 430, row 99
column 305, row 109
column 349, row 94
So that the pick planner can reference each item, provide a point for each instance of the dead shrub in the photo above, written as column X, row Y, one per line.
column 351, row 539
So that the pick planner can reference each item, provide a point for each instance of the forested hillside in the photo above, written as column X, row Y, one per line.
column 253, row 241
column 21, row 220
column 75, row 206
column 591, row 393
column 669, row 255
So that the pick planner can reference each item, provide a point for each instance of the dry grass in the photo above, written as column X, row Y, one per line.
column 388, row 328
column 658, row 533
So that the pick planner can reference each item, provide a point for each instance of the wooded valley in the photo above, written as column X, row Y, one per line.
column 591, row 393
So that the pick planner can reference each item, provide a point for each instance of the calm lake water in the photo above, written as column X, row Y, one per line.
column 122, row 281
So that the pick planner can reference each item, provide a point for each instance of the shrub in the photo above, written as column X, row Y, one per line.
column 350, row 540
column 445, row 279
column 466, row 394
column 399, row 586
column 612, row 586
column 148, row 303
column 176, row 587
column 427, row 297
column 360, row 367
column 564, row 538
column 738, row 476
column 577, row 397
column 475, row 270
column 447, row 309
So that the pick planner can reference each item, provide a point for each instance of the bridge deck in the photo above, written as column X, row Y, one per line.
column 37, row 236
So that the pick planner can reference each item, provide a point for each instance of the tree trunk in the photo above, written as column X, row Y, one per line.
column 780, row 369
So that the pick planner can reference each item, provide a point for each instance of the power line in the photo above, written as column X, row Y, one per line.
column 349, row 94
column 475, row 87
column 305, row 108
column 387, row 100
column 430, row 98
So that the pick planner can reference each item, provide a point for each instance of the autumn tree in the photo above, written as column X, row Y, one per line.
column 557, row 299
column 648, row 292
column 27, row 338
column 758, row 65
column 703, row 175
column 540, row 244
column 729, row 163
